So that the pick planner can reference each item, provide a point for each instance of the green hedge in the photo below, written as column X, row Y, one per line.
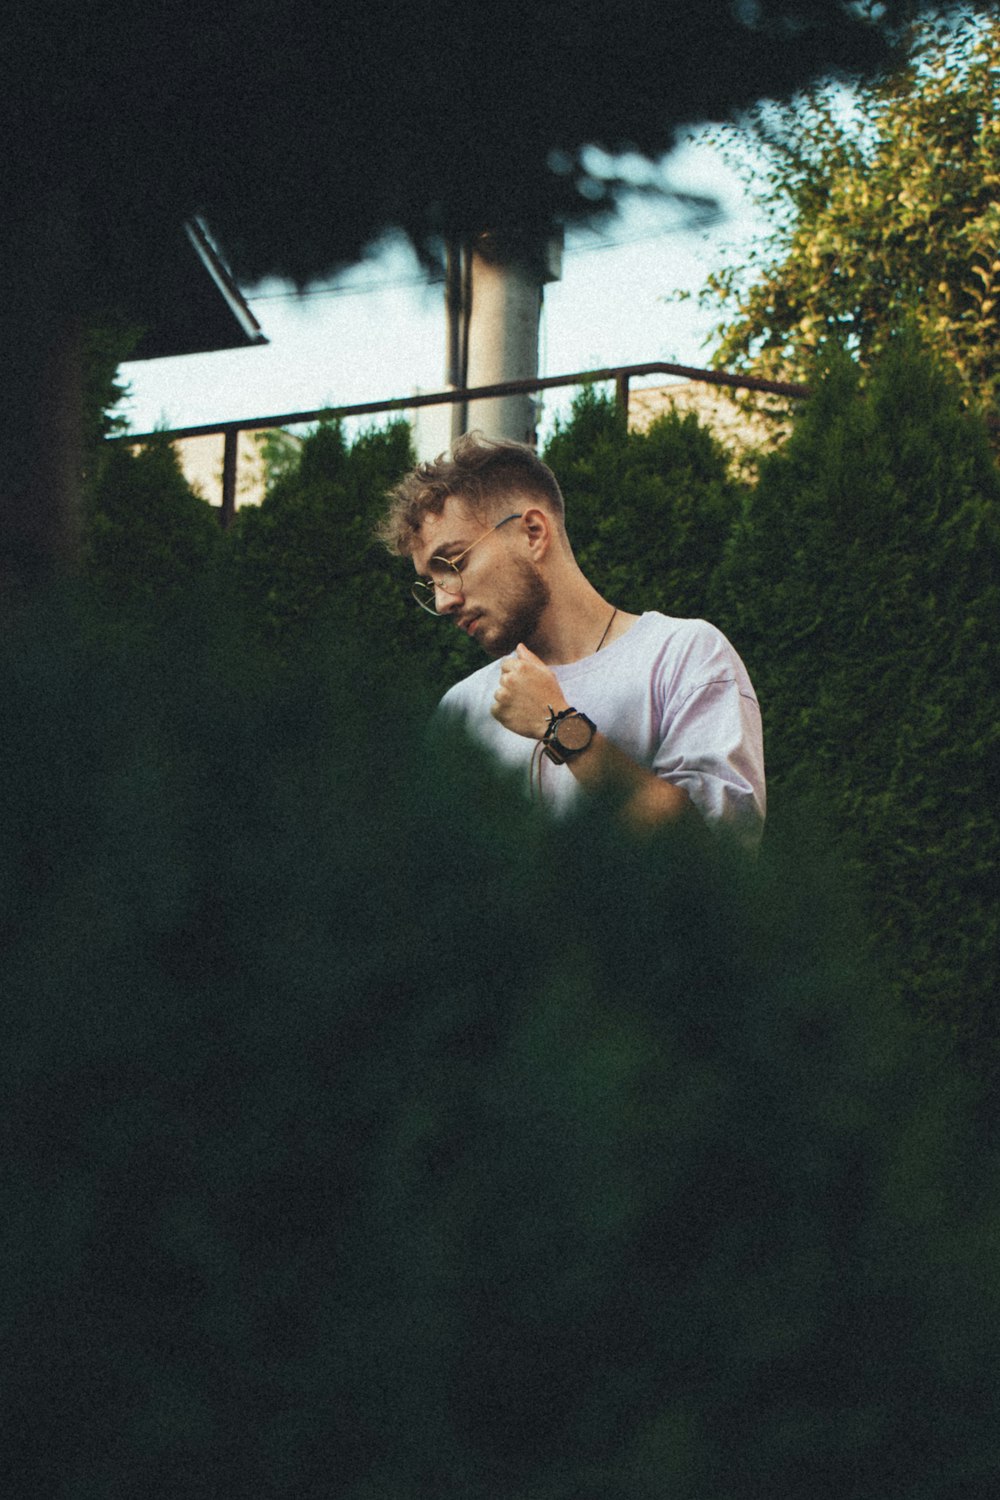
column 648, row 513
column 862, row 585
column 149, row 539
column 306, row 568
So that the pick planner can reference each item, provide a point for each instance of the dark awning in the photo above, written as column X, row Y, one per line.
column 191, row 304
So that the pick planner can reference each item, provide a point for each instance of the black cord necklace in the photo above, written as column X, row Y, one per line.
column 606, row 629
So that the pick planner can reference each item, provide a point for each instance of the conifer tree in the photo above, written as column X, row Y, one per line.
column 861, row 583
column 648, row 513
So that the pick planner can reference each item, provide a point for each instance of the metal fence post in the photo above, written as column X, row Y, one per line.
column 621, row 392
column 229, row 457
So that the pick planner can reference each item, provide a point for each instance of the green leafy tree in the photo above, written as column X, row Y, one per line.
column 863, row 582
column 648, row 512
column 884, row 207
column 279, row 454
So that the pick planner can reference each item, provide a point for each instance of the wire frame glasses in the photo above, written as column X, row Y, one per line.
column 446, row 574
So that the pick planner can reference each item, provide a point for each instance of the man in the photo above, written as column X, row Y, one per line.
column 580, row 692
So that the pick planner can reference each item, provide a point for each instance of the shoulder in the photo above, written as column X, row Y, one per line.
column 679, row 633
column 694, row 648
column 689, row 658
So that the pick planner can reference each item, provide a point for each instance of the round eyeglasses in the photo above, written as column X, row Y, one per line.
column 445, row 573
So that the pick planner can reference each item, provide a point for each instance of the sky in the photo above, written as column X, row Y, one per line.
column 378, row 330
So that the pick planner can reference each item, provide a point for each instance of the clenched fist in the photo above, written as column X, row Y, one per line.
column 528, row 692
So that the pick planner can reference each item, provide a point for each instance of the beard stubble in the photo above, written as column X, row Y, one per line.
column 517, row 612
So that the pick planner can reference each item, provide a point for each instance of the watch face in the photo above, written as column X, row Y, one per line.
column 574, row 733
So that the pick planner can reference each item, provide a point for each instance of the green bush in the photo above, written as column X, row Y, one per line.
column 367, row 1134
column 305, row 565
column 648, row 512
column 149, row 539
column 307, row 543
column 862, row 582
column 307, row 569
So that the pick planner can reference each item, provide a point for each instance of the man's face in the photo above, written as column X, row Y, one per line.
column 502, row 595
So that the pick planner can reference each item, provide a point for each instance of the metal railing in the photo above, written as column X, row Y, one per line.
column 622, row 375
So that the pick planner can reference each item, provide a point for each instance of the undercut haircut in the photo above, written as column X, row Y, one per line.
column 488, row 475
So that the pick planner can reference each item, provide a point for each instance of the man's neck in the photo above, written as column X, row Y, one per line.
column 576, row 624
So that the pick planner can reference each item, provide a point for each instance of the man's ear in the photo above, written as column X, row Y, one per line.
column 536, row 525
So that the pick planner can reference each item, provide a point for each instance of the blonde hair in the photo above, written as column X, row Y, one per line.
column 486, row 474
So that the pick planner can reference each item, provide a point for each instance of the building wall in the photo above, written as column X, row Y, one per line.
column 738, row 429
column 201, row 461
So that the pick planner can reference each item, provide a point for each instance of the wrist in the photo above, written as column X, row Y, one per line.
column 568, row 734
column 553, row 708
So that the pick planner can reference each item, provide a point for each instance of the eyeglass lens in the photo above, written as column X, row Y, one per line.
column 444, row 575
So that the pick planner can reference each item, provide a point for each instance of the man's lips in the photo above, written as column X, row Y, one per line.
column 468, row 623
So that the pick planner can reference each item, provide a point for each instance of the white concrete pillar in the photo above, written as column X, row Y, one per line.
column 503, row 345
column 505, row 297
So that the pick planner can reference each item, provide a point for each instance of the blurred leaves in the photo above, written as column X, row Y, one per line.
column 366, row 1133
column 193, row 112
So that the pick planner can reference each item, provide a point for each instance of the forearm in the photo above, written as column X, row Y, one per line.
column 648, row 800
column 529, row 701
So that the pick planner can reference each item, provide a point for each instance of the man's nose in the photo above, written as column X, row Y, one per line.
column 445, row 602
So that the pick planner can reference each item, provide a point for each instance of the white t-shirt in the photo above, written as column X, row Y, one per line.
column 673, row 694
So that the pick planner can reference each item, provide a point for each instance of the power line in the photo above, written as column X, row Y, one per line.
column 366, row 288
column 708, row 222
column 361, row 289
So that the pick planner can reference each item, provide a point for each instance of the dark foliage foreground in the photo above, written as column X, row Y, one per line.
column 367, row 1135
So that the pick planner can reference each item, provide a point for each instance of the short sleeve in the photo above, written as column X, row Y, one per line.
column 713, row 747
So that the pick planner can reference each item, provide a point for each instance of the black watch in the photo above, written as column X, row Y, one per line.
column 569, row 734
